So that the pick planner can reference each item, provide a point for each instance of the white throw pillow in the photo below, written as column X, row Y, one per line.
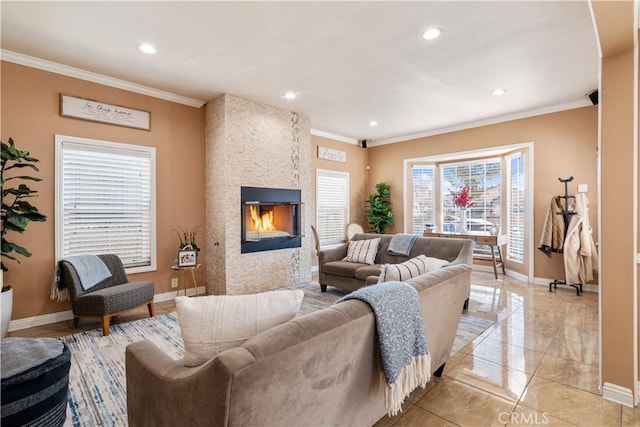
column 410, row 268
column 212, row 324
column 362, row 251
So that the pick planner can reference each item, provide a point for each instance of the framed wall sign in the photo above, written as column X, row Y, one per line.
column 332, row 154
column 87, row 109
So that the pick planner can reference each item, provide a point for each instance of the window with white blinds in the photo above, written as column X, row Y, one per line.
column 332, row 205
column 484, row 179
column 515, row 208
column 423, row 198
column 105, row 201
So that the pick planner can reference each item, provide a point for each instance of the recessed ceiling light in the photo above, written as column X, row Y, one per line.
column 498, row 92
column 147, row 48
column 373, row 123
column 432, row 33
column 289, row 95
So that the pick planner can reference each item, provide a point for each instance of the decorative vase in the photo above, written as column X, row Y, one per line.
column 463, row 221
column 6, row 306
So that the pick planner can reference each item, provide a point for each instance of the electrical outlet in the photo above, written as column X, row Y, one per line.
column 174, row 282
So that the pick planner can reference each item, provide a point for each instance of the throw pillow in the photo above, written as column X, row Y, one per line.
column 212, row 324
column 410, row 268
column 362, row 251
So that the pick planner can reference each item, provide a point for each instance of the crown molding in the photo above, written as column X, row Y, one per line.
column 484, row 122
column 333, row 136
column 65, row 70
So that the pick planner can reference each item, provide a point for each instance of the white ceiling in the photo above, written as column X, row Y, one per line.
column 350, row 62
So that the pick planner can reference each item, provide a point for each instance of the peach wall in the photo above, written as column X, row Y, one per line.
column 564, row 145
column 617, row 255
column 30, row 114
column 617, row 32
column 356, row 166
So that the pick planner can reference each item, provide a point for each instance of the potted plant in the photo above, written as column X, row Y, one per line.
column 17, row 213
column 379, row 213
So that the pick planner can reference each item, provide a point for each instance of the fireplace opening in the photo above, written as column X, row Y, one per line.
column 271, row 219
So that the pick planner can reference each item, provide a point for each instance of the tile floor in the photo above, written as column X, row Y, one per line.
column 537, row 365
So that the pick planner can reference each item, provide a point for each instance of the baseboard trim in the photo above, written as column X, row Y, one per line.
column 45, row 319
column 61, row 316
column 519, row 276
column 618, row 394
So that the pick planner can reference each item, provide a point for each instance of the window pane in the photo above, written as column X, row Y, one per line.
column 484, row 180
column 423, row 198
column 515, row 203
column 105, row 203
column 332, row 190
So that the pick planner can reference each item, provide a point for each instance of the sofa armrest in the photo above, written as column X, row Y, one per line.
column 162, row 391
column 466, row 253
column 335, row 254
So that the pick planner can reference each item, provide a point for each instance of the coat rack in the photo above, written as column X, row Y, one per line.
column 566, row 217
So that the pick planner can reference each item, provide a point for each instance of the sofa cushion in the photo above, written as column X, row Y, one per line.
column 362, row 251
column 368, row 270
column 212, row 324
column 411, row 268
column 342, row 268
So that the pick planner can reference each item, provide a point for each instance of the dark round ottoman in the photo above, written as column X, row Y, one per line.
column 35, row 381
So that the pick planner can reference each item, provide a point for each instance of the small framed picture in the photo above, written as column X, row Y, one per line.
column 186, row 258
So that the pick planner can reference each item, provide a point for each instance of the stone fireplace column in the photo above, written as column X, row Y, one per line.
column 255, row 145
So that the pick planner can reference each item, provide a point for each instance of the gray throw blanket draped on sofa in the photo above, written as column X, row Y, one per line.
column 401, row 244
column 403, row 345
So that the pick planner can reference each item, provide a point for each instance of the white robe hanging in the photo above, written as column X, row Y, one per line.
column 580, row 255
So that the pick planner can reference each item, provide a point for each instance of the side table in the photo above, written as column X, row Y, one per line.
column 184, row 275
column 495, row 242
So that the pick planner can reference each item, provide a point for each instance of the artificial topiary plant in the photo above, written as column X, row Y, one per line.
column 379, row 213
column 17, row 212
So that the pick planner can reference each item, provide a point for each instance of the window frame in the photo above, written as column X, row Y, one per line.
column 509, row 193
column 104, row 147
column 434, row 199
column 480, row 252
column 347, row 178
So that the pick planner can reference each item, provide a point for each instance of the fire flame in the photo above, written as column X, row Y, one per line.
column 262, row 223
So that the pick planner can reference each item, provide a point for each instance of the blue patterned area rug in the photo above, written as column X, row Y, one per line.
column 97, row 380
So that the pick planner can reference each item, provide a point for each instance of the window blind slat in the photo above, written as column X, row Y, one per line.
column 106, row 201
column 423, row 198
column 484, row 180
column 332, row 192
column 515, row 205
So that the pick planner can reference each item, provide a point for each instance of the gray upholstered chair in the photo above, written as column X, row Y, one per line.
column 108, row 298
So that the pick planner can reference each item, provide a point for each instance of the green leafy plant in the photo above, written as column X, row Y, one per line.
column 17, row 212
column 379, row 213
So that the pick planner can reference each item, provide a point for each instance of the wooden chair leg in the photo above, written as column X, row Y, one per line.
column 151, row 308
column 76, row 320
column 106, row 320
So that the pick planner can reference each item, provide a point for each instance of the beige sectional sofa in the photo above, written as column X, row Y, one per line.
column 318, row 369
column 333, row 271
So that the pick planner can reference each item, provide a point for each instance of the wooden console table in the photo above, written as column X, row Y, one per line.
column 494, row 242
